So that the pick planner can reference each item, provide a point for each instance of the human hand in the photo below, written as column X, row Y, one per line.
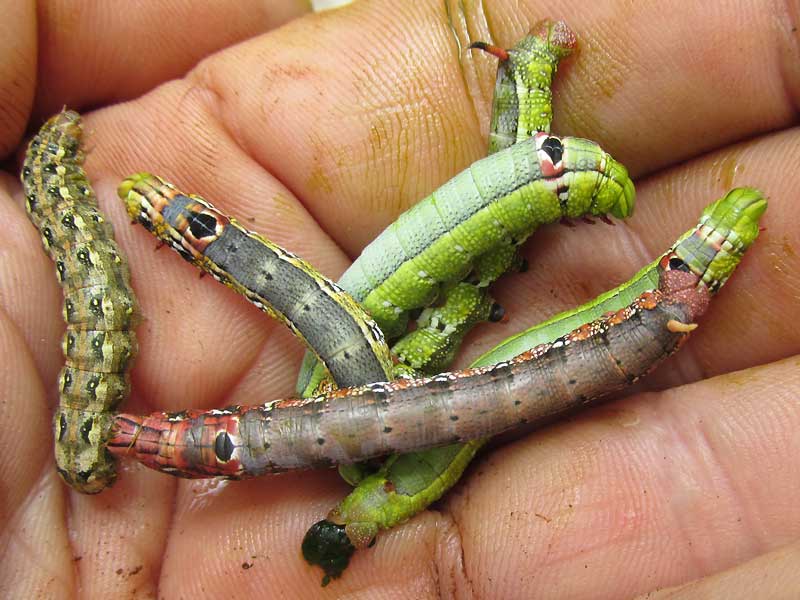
column 318, row 135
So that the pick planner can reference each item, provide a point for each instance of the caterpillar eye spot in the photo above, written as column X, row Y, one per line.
column 68, row 221
column 84, row 256
column 223, row 447
column 50, row 168
column 554, row 149
column 202, row 225
column 86, row 429
column 676, row 264
column 53, row 192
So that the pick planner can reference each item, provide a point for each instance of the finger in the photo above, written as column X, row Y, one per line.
column 770, row 575
column 176, row 132
column 652, row 491
column 17, row 68
column 33, row 508
column 255, row 528
column 382, row 124
column 125, row 526
column 93, row 53
column 175, row 128
column 29, row 290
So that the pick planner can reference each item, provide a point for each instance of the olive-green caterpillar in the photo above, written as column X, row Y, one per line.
column 99, row 305
column 278, row 282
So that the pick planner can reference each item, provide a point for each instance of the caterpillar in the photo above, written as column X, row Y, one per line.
column 521, row 104
column 353, row 424
column 100, row 308
column 286, row 287
column 502, row 197
column 409, row 483
column 523, row 98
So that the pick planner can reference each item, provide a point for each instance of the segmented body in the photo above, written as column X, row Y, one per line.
column 404, row 485
column 440, row 329
column 354, row 424
column 359, row 423
column 99, row 305
column 501, row 198
column 523, row 97
column 278, row 282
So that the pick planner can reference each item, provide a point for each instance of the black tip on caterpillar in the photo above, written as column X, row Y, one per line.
column 326, row 544
column 607, row 220
column 500, row 53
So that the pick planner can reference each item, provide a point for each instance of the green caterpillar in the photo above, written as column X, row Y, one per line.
column 522, row 105
column 523, row 98
column 498, row 200
column 407, row 484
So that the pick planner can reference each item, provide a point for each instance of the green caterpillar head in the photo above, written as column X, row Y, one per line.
column 591, row 180
column 727, row 228
column 616, row 194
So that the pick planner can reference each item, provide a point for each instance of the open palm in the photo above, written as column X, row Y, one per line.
column 318, row 134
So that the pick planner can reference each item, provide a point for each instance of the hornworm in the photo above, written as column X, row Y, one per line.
column 353, row 424
column 503, row 197
column 99, row 305
column 278, row 282
column 407, row 484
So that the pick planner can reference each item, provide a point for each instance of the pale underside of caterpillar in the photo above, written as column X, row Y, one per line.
column 99, row 305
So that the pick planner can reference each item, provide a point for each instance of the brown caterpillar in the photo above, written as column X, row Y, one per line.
column 99, row 305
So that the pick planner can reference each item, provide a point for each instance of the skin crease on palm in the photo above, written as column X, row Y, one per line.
column 318, row 134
